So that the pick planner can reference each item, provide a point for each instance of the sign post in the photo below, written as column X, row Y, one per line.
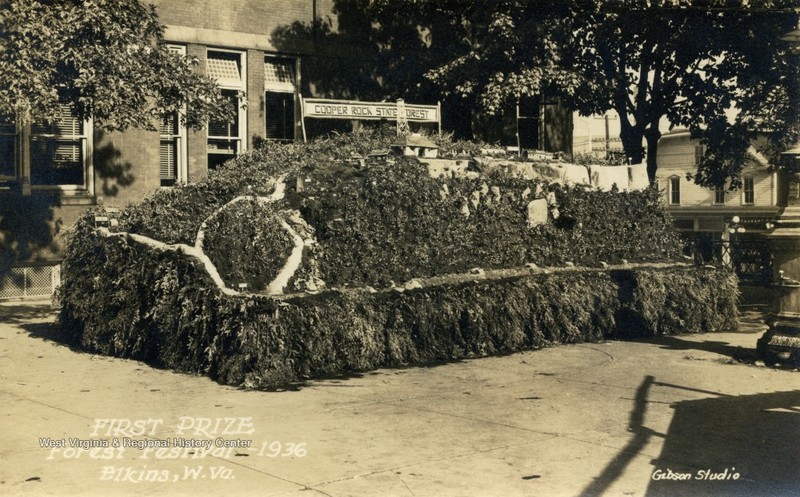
column 303, row 119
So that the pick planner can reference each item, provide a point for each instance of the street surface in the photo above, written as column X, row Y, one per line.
column 690, row 415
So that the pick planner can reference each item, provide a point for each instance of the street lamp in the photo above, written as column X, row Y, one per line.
column 781, row 342
column 735, row 226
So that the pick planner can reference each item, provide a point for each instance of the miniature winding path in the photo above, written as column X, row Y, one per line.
column 278, row 284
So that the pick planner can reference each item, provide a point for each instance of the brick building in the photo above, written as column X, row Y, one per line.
column 50, row 175
column 263, row 54
column 233, row 43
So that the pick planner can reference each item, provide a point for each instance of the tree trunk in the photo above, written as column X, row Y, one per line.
column 631, row 137
column 652, row 135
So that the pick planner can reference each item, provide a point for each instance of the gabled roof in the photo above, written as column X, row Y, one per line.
column 758, row 157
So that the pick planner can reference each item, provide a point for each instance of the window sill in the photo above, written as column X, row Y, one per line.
column 82, row 198
column 64, row 197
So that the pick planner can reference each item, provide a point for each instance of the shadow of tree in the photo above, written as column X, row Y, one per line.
column 737, row 353
column 749, row 443
column 25, row 312
column 756, row 437
column 752, row 320
column 381, row 52
column 50, row 332
column 27, row 227
column 31, row 222
column 110, row 169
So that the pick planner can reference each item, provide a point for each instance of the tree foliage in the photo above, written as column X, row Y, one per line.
column 686, row 63
column 381, row 50
column 509, row 50
column 767, row 98
column 653, row 62
column 105, row 58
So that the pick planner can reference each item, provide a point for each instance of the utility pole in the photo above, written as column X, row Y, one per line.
column 606, row 118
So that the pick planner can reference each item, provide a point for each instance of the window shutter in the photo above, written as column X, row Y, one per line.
column 167, row 164
column 167, row 158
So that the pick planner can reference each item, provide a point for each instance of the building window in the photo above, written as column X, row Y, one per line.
column 719, row 195
column 529, row 114
column 52, row 155
column 699, row 152
column 224, row 140
column 280, row 89
column 675, row 190
column 57, row 151
column 227, row 139
column 749, row 193
column 172, row 156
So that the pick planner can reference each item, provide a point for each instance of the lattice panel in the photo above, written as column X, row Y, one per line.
column 279, row 75
column 225, row 68
column 29, row 282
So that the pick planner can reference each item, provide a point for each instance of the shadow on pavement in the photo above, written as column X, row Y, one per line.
column 739, row 445
column 37, row 318
column 25, row 312
column 750, row 443
column 641, row 435
column 737, row 353
column 50, row 332
column 752, row 320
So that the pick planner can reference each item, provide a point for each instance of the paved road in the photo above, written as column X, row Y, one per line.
column 656, row 417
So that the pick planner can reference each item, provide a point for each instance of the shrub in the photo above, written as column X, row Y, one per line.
column 375, row 225
column 174, row 215
column 392, row 222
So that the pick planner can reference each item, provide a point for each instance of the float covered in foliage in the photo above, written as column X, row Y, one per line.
column 398, row 268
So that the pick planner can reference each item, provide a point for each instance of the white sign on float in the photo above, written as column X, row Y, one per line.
column 321, row 108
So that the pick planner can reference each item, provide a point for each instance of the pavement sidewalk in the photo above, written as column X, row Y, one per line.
column 689, row 415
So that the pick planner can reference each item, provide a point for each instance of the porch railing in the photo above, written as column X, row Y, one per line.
column 750, row 259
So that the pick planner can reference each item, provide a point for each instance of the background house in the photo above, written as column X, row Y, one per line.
column 597, row 135
column 705, row 215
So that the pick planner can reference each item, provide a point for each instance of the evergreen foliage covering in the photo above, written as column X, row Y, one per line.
column 125, row 299
column 390, row 222
column 374, row 225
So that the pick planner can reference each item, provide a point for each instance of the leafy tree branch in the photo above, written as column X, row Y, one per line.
column 105, row 58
